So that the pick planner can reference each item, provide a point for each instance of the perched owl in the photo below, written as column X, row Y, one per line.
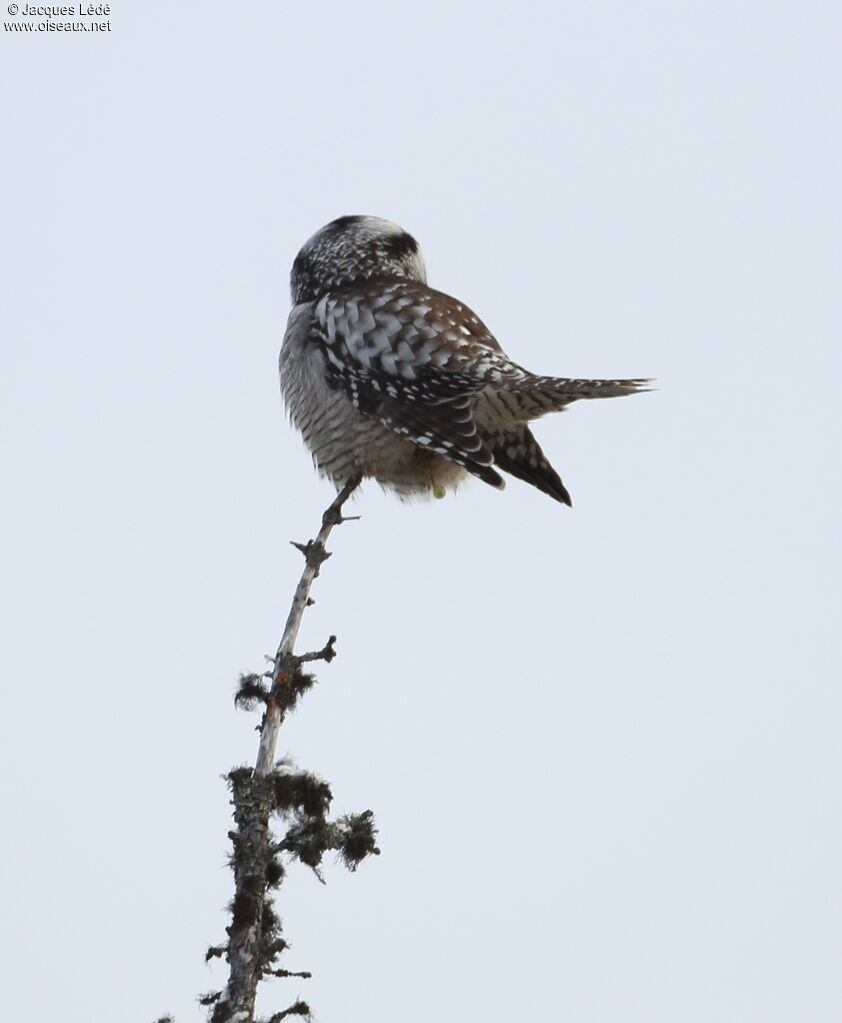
column 388, row 378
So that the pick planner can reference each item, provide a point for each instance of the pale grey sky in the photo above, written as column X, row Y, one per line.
column 602, row 744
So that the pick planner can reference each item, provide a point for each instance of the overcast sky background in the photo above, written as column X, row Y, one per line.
column 602, row 744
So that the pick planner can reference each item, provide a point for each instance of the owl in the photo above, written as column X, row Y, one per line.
column 390, row 379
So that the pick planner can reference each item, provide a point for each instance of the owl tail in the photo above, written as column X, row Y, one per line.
column 536, row 396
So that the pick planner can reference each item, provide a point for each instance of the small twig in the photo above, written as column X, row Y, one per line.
column 299, row 1009
column 327, row 653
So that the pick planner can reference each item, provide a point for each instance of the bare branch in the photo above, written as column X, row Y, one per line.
column 254, row 939
column 315, row 554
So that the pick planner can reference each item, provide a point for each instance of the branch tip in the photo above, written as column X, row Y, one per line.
column 299, row 1009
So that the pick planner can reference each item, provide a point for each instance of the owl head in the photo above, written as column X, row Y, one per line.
column 354, row 249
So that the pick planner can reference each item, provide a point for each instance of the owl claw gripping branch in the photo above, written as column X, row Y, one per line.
column 387, row 378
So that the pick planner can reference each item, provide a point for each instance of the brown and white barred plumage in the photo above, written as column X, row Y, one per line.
column 390, row 379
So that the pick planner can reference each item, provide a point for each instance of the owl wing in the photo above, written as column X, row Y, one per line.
column 414, row 359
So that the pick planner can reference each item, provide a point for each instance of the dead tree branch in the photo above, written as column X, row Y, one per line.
column 254, row 934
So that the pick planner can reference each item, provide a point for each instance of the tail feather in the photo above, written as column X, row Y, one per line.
column 533, row 396
column 502, row 417
column 581, row 388
column 517, row 452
